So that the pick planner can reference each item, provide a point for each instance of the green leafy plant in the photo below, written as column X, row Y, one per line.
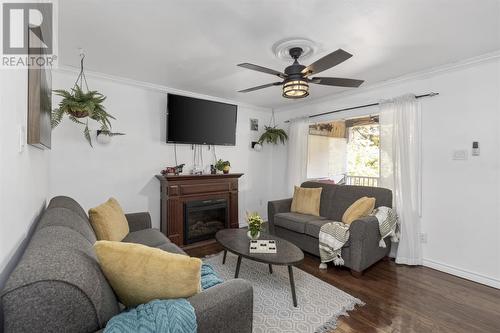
column 77, row 104
column 221, row 165
column 255, row 223
column 272, row 134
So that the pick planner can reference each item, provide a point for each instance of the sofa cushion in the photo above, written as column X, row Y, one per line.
column 69, row 203
column 294, row 221
column 313, row 228
column 148, row 237
column 65, row 217
column 360, row 208
column 306, row 200
column 58, row 276
column 140, row 274
column 335, row 199
column 171, row 247
column 327, row 196
column 109, row 221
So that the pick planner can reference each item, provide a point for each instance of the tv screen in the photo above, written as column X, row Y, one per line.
column 197, row 121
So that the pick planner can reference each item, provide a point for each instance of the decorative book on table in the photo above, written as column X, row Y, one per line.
column 262, row 246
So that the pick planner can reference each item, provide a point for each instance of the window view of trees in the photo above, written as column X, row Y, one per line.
column 363, row 154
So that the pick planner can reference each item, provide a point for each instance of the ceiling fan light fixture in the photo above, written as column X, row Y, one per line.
column 295, row 89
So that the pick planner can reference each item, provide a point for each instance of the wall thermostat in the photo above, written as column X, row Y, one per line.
column 475, row 148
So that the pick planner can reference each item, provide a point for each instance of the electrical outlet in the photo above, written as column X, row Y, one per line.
column 423, row 237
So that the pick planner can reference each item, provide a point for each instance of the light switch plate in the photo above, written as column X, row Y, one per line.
column 460, row 154
column 22, row 138
column 423, row 237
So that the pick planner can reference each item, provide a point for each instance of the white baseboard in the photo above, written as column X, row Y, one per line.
column 463, row 273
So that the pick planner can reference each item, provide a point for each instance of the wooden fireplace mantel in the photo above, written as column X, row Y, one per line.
column 178, row 190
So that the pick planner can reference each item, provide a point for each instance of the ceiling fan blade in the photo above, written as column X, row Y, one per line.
column 261, row 87
column 328, row 61
column 262, row 69
column 336, row 81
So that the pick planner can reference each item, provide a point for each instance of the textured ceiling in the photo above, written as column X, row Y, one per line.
column 194, row 45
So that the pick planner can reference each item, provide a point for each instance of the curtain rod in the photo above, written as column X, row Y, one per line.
column 431, row 94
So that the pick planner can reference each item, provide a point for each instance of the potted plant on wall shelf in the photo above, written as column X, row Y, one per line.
column 223, row 166
column 272, row 133
column 78, row 104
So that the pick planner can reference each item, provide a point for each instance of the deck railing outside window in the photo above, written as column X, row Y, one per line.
column 362, row 181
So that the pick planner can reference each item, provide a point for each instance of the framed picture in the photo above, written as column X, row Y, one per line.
column 254, row 124
column 39, row 106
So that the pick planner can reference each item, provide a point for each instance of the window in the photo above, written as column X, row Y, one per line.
column 345, row 151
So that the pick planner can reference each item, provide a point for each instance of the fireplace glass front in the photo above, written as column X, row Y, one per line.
column 203, row 218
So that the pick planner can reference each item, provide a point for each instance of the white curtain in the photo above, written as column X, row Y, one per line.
column 400, row 152
column 297, row 152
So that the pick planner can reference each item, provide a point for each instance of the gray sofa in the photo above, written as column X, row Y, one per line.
column 362, row 249
column 58, row 286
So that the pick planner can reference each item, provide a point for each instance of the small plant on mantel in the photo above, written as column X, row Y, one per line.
column 272, row 133
column 223, row 166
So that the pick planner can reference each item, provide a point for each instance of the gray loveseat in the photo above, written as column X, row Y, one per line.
column 362, row 249
column 58, row 286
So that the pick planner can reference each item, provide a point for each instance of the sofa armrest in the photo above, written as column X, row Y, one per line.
column 364, row 227
column 138, row 221
column 275, row 207
column 225, row 308
column 364, row 249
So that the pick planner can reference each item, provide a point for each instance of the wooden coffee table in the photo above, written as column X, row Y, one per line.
column 237, row 242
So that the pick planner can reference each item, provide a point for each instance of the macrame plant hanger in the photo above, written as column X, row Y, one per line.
column 272, row 120
column 80, row 80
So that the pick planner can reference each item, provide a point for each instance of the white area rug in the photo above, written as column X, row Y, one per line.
column 319, row 303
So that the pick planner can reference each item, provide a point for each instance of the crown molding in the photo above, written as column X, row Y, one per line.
column 491, row 56
column 154, row 87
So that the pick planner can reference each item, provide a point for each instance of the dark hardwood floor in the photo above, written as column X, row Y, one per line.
column 406, row 299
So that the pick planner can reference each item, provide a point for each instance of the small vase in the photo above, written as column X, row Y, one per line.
column 254, row 237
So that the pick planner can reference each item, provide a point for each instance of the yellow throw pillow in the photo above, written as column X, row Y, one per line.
column 109, row 221
column 306, row 200
column 360, row 208
column 139, row 274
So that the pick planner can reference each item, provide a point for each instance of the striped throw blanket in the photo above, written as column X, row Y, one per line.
column 165, row 316
column 334, row 235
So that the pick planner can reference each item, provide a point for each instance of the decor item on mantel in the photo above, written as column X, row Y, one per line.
column 272, row 134
column 176, row 170
column 223, row 166
column 78, row 104
column 255, row 223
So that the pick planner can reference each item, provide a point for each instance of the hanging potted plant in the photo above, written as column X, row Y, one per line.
column 223, row 166
column 273, row 134
column 78, row 104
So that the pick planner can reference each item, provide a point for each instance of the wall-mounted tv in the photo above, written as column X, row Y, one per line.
column 197, row 121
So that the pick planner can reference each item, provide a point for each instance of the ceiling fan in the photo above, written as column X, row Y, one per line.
column 295, row 79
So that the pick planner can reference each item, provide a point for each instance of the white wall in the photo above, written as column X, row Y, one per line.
column 126, row 168
column 23, row 175
column 461, row 199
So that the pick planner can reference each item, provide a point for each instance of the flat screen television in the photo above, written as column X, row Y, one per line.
column 197, row 121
